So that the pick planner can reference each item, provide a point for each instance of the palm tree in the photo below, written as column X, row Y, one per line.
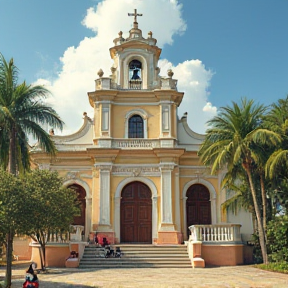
column 277, row 164
column 22, row 112
column 230, row 141
column 277, row 120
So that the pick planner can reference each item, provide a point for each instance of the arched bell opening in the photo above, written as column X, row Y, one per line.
column 135, row 74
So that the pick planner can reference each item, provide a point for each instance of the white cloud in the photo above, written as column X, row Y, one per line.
column 80, row 64
column 194, row 80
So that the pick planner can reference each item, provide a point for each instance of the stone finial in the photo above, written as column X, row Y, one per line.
column 157, row 69
column 184, row 116
column 86, row 116
column 120, row 34
column 100, row 73
column 51, row 132
column 150, row 34
column 170, row 73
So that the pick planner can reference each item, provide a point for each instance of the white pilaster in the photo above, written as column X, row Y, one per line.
column 104, row 203
column 106, row 119
column 166, row 198
column 154, row 217
column 165, row 119
column 184, row 199
column 177, row 202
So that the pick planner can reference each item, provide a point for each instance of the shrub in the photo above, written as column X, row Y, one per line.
column 281, row 267
column 277, row 239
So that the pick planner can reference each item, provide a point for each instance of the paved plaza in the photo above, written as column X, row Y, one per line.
column 224, row 277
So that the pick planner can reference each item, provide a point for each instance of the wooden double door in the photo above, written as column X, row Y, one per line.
column 198, row 206
column 136, row 213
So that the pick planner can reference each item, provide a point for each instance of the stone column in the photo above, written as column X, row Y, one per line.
column 88, row 223
column 177, row 204
column 104, row 175
column 117, row 203
column 167, row 233
column 184, row 199
column 104, row 197
column 154, row 215
column 166, row 198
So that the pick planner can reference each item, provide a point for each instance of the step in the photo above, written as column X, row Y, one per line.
column 140, row 256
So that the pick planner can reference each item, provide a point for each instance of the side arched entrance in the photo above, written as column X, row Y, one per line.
column 198, row 207
column 81, row 197
column 136, row 213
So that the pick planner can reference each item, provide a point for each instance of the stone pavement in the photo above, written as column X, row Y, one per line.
column 224, row 277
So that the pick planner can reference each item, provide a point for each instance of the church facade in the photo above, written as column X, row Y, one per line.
column 134, row 164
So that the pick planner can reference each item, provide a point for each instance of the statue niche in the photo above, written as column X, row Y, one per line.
column 135, row 69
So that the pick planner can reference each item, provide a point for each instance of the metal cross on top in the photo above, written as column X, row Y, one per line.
column 135, row 15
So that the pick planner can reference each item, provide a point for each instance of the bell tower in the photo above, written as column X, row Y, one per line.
column 135, row 129
column 135, row 60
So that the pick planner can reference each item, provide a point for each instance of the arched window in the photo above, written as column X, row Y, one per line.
column 135, row 127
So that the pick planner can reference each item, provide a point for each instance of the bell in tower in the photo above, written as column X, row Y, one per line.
column 135, row 72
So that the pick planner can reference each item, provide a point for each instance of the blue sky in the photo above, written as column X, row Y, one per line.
column 233, row 48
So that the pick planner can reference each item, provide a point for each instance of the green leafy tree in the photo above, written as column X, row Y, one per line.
column 238, row 191
column 13, row 199
column 51, row 208
column 22, row 113
column 230, row 141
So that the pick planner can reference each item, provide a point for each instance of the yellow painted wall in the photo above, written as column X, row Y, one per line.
column 118, row 114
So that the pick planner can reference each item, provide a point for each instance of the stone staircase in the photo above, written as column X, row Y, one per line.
column 138, row 256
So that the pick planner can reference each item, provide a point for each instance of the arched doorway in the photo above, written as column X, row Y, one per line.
column 81, row 196
column 198, row 208
column 136, row 213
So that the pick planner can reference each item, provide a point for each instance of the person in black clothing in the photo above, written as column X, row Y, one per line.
column 31, row 279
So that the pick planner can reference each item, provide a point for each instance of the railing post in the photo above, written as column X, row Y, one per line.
column 216, row 233
column 194, row 246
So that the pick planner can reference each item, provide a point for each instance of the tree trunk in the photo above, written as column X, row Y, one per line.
column 9, row 254
column 12, row 168
column 264, row 203
column 42, row 251
column 12, row 152
column 258, row 217
column 44, row 256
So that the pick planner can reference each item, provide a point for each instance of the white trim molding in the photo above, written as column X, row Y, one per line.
column 88, row 210
column 140, row 112
column 212, row 192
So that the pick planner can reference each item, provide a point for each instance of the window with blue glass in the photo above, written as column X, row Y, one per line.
column 136, row 127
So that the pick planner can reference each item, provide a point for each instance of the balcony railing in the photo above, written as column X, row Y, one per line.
column 135, row 84
column 136, row 143
column 215, row 233
column 74, row 236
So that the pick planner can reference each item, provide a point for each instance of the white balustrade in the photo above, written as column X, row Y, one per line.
column 215, row 233
column 135, row 143
column 58, row 237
